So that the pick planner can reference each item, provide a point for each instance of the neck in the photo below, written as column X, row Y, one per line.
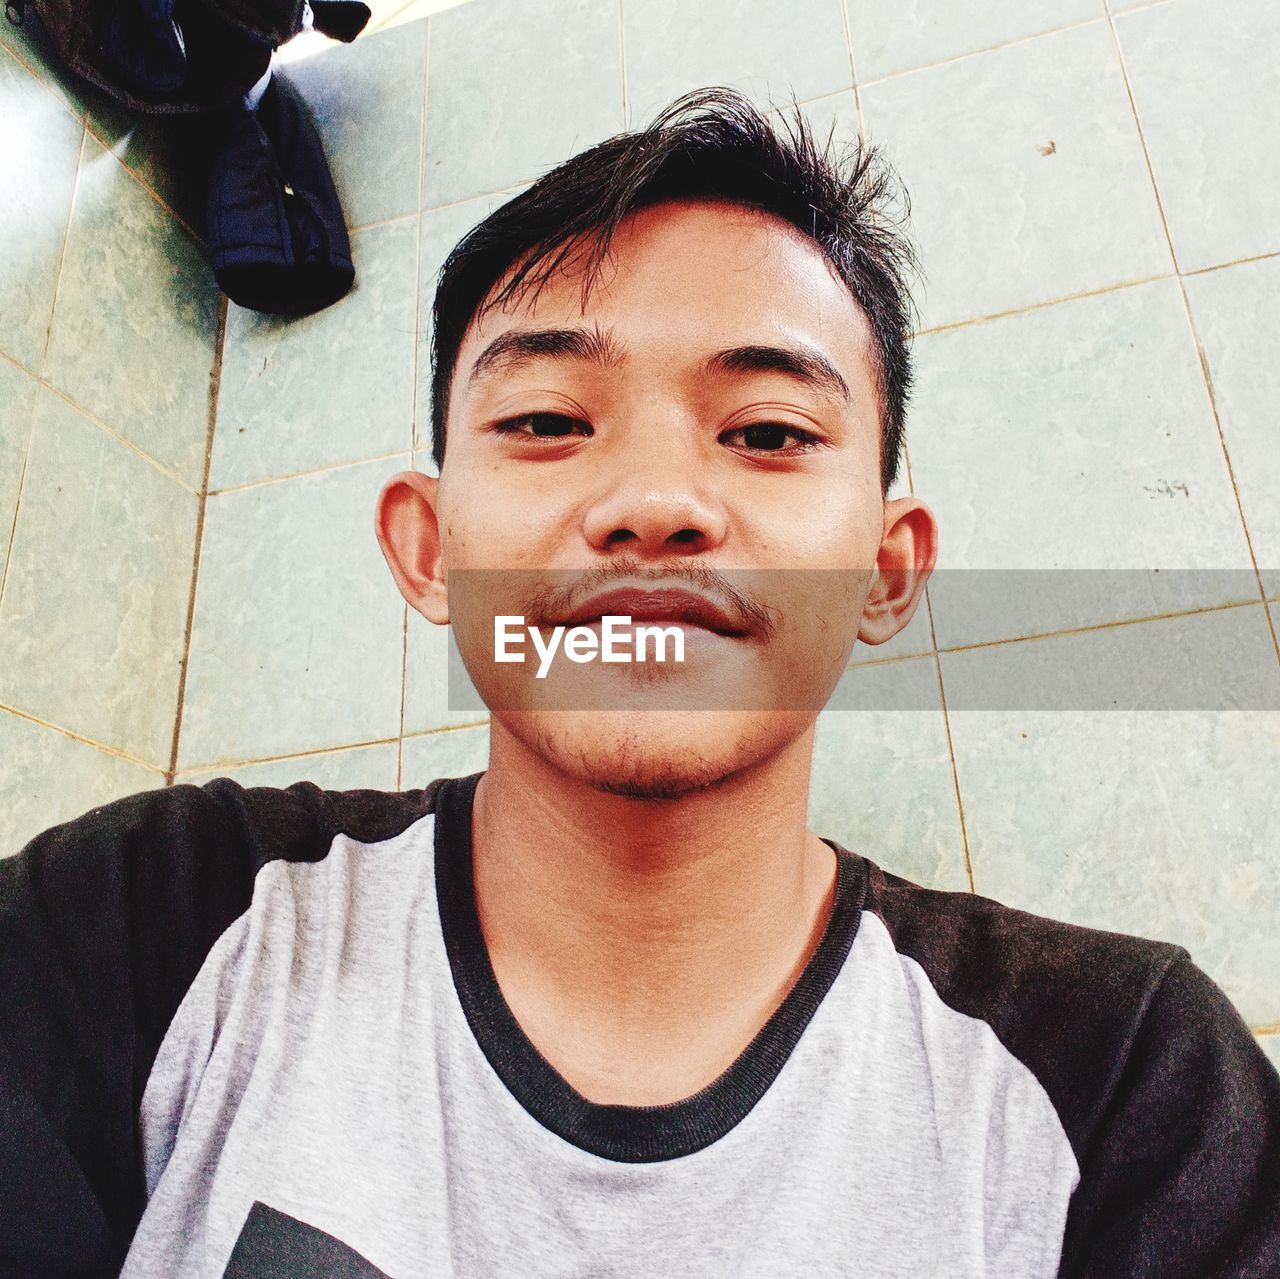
column 641, row 944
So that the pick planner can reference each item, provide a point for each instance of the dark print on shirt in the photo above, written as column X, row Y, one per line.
column 273, row 1245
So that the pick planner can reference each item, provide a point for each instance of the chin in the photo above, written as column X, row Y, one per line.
column 656, row 755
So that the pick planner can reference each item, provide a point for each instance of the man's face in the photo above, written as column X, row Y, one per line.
column 707, row 420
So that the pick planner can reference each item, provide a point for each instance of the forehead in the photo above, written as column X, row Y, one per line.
column 687, row 274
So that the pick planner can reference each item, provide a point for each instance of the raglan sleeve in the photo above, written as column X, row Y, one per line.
column 1181, row 1179
column 104, row 921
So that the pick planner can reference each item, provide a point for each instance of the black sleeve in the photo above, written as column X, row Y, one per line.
column 1181, row 1179
column 104, row 921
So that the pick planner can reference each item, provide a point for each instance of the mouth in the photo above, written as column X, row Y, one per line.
column 668, row 607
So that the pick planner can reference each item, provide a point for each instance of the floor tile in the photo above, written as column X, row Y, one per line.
column 297, row 642
column 438, row 691
column 1075, row 437
column 768, row 50
column 1159, row 824
column 441, row 231
column 95, row 607
column 367, row 99
column 136, row 318
column 37, row 177
column 336, row 386
column 1270, row 1045
column 896, row 35
column 456, row 753
column 50, row 778
column 881, row 782
column 1031, row 184
column 362, row 768
column 1237, row 316
column 1215, row 660
column 491, row 122
column 17, row 400
column 1207, row 86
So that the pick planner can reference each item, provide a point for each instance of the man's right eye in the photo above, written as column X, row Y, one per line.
column 544, row 426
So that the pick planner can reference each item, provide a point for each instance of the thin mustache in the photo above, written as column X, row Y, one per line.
column 548, row 603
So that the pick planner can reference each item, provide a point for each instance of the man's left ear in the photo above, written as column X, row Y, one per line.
column 908, row 552
column 409, row 534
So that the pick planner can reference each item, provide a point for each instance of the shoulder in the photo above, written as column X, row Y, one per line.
column 1067, row 1001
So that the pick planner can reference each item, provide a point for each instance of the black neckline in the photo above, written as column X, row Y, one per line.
column 626, row 1134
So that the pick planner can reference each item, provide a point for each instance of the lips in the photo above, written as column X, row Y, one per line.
column 657, row 605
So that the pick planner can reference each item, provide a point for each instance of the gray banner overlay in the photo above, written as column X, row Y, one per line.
column 1004, row 640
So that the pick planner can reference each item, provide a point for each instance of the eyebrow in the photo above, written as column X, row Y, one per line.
column 516, row 347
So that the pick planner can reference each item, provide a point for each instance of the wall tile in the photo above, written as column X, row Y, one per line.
column 1159, row 824
column 17, row 400
column 428, row 681
column 1207, row 86
column 881, row 782
column 1237, row 315
column 1079, row 437
column 1030, row 183
column 50, row 778
column 95, row 607
column 1168, row 664
column 896, row 35
column 336, row 386
column 768, row 50
column 492, row 122
column 297, row 642
column 367, row 98
column 456, row 753
column 1270, row 1045
column 441, row 231
column 362, row 768
column 37, row 177
column 136, row 318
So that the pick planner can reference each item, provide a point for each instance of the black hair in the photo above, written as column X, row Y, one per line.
column 710, row 143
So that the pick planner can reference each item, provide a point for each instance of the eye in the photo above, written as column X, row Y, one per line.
column 770, row 437
column 542, row 426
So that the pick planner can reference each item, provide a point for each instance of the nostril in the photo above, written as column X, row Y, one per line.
column 687, row 535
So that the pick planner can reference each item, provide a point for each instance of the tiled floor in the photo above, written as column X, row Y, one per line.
column 1092, row 186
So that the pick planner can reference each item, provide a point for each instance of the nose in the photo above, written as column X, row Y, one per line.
column 656, row 497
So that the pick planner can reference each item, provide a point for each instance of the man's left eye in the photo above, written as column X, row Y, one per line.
column 771, row 437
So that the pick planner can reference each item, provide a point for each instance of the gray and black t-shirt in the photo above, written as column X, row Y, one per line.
column 255, row 1032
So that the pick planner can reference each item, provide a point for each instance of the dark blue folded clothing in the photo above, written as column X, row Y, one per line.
column 277, row 237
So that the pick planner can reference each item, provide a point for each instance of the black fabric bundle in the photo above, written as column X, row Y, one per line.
column 276, row 233
column 277, row 238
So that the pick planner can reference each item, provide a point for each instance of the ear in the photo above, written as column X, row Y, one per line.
column 908, row 552
column 409, row 535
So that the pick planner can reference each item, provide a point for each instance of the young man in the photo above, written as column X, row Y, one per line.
column 610, row 1008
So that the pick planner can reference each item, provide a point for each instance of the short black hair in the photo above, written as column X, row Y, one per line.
column 710, row 143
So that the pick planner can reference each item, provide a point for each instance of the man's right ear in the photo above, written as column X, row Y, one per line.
column 409, row 534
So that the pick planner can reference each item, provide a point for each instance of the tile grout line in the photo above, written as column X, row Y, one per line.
column 92, row 418
column 40, row 78
column 394, row 220
column 853, row 70
column 114, row 751
column 417, row 360
column 44, row 352
column 942, row 697
column 318, row 470
column 1205, row 372
column 991, row 48
column 215, row 386
column 321, row 750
